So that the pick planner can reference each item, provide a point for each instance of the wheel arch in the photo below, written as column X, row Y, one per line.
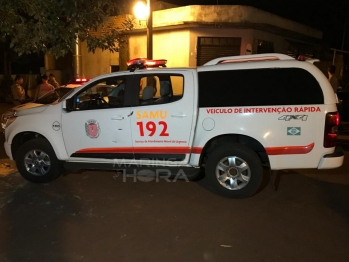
column 22, row 138
column 234, row 138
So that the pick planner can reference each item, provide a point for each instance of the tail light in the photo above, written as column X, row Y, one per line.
column 331, row 129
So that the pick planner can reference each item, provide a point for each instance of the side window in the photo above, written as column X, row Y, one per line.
column 259, row 87
column 106, row 93
column 152, row 83
column 160, row 89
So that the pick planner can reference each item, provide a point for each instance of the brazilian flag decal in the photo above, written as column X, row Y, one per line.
column 293, row 131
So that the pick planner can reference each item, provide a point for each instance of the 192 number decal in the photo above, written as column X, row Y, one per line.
column 151, row 127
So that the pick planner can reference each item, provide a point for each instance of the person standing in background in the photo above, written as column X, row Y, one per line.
column 44, row 87
column 17, row 90
column 52, row 80
column 332, row 78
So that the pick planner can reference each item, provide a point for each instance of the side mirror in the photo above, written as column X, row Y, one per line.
column 68, row 104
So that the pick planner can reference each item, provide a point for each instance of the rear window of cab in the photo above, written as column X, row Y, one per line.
column 259, row 87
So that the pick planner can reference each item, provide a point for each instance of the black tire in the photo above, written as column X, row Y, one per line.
column 243, row 175
column 37, row 156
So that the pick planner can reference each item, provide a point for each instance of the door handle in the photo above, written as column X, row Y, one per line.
column 117, row 118
column 180, row 115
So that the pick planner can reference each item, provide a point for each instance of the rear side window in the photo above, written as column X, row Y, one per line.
column 259, row 87
column 160, row 89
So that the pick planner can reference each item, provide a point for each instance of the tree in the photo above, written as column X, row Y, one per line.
column 7, row 55
column 51, row 26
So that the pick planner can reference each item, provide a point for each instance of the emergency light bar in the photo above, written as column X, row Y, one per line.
column 142, row 63
column 80, row 80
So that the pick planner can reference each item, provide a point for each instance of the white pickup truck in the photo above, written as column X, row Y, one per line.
column 229, row 118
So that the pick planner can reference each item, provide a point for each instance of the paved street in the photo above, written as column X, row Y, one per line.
column 102, row 216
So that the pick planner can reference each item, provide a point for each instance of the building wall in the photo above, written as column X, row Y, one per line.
column 280, row 45
column 178, row 46
column 176, row 31
column 172, row 45
column 245, row 34
column 137, row 46
column 98, row 63
column 228, row 14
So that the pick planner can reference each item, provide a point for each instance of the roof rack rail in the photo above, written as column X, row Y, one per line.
column 248, row 58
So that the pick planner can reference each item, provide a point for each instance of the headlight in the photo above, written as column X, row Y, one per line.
column 7, row 118
column 8, row 122
column 8, row 114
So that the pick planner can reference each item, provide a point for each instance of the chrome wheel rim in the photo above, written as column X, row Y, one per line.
column 233, row 173
column 37, row 162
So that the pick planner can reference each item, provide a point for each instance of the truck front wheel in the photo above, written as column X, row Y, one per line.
column 37, row 162
column 234, row 170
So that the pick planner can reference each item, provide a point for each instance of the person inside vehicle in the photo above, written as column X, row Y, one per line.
column 17, row 90
column 151, row 81
column 116, row 96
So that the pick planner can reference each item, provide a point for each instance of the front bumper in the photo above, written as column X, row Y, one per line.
column 7, row 147
column 332, row 160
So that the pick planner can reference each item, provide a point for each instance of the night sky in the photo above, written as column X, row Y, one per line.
column 327, row 16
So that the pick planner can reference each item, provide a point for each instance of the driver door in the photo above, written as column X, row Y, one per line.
column 99, row 126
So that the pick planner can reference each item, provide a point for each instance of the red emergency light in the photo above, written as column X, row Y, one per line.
column 142, row 63
column 301, row 58
column 81, row 80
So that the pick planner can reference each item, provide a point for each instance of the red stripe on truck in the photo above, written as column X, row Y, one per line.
column 289, row 150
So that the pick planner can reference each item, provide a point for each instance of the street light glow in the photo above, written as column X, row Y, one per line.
column 141, row 10
column 144, row 11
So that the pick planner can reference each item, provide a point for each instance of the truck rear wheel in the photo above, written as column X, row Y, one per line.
column 234, row 170
column 37, row 162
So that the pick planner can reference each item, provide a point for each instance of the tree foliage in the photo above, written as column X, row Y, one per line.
column 51, row 26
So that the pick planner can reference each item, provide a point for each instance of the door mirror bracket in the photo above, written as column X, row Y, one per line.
column 68, row 104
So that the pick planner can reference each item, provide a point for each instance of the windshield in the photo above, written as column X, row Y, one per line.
column 104, row 93
column 66, row 94
column 49, row 98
